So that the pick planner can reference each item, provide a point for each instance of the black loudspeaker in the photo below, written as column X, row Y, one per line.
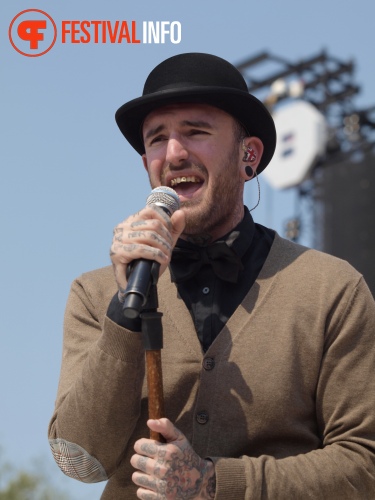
column 345, row 212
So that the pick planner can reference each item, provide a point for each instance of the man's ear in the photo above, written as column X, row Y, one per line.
column 251, row 153
column 144, row 160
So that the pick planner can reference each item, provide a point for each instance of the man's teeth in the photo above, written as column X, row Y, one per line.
column 179, row 180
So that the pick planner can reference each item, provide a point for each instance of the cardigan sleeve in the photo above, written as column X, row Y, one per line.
column 344, row 467
column 99, row 396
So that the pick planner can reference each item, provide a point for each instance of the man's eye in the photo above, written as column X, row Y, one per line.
column 197, row 132
column 156, row 139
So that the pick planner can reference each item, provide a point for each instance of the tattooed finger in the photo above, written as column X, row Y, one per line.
column 147, row 495
column 138, row 223
column 149, row 449
column 141, row 463
column 145, row 481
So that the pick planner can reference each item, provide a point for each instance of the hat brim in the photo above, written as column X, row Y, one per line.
column 246, row 108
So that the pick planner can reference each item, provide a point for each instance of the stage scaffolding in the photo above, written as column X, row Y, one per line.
column 339, row 195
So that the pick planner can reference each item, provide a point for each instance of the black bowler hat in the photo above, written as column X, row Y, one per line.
column 198, row 78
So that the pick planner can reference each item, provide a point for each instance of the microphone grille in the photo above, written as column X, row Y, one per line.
column 164, row 197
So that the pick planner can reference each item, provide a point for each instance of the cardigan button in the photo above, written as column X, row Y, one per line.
column 202, row 417
column 208, row 363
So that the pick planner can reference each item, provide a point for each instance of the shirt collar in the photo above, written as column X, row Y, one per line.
column 239, row 238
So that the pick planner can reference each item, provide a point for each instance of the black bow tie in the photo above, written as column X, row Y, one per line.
column 187, row 262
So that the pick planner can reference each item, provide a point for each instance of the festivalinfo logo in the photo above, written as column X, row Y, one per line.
column 33, row 32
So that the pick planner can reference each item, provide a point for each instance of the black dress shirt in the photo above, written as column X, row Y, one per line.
column 211, row 300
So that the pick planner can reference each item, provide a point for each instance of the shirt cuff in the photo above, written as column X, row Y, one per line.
column 116, row 315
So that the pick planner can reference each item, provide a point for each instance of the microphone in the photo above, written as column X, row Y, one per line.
column 142, row 273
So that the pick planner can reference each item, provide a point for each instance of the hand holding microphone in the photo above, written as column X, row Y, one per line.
column 145, row 237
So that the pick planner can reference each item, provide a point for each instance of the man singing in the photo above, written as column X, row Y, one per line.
column 269, row 357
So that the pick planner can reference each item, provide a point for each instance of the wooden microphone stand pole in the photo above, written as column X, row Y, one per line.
column 152, row 332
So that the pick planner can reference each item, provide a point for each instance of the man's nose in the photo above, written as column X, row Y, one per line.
column 176, row 151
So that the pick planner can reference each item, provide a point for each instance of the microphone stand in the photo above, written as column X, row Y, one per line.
column 152, row 333
column 142, row 300
column 142, row 285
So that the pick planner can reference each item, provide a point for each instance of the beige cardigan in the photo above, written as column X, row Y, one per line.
column 290, row 399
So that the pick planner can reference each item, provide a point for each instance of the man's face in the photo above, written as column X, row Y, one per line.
column 193, row 149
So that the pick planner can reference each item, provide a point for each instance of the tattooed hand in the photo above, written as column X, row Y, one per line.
column 171, row 470
column 149, row 234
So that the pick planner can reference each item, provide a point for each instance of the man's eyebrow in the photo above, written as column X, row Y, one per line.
column 197, row 124
column 154, row 131
column 184, row 123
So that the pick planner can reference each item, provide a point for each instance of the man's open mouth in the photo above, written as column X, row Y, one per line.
column 186, row 186
column 183, row 180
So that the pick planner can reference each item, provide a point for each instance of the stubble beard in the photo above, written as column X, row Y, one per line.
column 220, row 207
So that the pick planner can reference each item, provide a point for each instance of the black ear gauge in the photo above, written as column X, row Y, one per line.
column 249, row 171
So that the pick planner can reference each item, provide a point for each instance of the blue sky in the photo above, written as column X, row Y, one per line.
column 68, row 176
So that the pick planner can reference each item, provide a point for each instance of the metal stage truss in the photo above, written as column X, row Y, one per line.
column 339, row 195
